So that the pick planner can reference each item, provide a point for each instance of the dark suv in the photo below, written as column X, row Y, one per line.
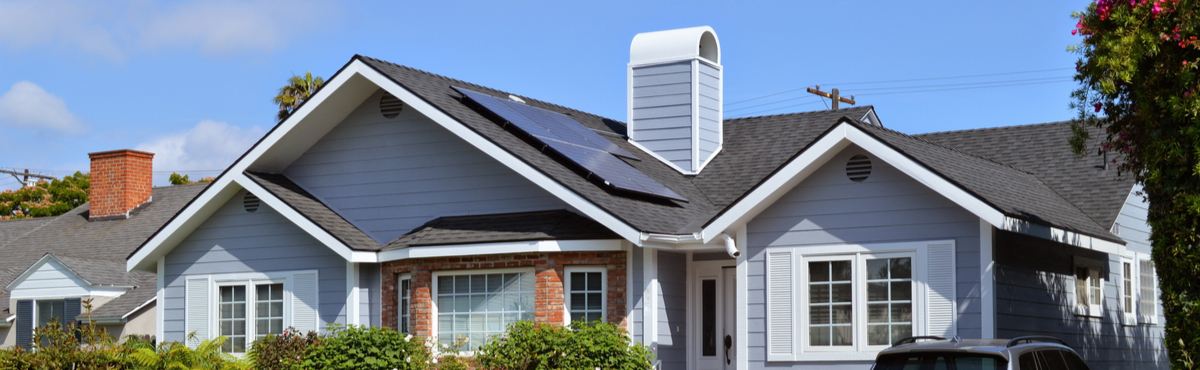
column 1021, row 353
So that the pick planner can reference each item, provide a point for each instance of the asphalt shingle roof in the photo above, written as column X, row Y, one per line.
column 95, row 250
column 490, row 228
column 316, row 211
column 13, row 229
column 1043, row 150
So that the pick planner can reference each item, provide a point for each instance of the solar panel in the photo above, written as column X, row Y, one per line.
column 577, row 143
column 543, row 123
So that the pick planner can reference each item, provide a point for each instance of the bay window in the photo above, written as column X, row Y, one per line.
column 472, row 306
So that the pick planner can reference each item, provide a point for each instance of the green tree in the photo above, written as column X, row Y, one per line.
column 1138, row 82
column 45, row 199
column 295, row 92
column 178, row 179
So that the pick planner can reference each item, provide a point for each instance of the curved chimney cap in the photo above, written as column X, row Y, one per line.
column 680, row 43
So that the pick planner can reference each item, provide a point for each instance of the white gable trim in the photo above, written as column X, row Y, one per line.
column 495, row 151
column 817, row 154
column 304, row 223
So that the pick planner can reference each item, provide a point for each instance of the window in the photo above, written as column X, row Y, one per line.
column 1128, row 292
column 831, row 304
column 585, row 293
column 50, row 311
column 941, row 360
column 249, row 310
column 1147, row 294
column 472, row 306
column 404, row 297
column 889, row 300
column 1089, row 287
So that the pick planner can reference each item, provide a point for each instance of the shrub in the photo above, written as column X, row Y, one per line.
column 284, row 351
column 356, row 347
column 526, row 345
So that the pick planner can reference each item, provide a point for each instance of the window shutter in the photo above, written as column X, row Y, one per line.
column 197, row 309
column 781, row 311
column 24, row 323
column 940, row 311
column 71, row 308
column 1146, row 296
column 304, row 302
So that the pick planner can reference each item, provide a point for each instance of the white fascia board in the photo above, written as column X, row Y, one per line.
column 820, row 152
column 534, row 246
column 304, row 223
column 139, row 308
column 495, row 151
column 1060, row 235
column 221, row 190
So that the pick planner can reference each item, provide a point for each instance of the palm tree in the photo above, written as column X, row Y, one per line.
column 297, row 90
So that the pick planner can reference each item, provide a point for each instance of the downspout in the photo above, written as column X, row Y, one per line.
column 730, row 246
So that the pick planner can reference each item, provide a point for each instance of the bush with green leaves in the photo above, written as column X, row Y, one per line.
column 356, row 347
column 526, row 345
column 284, row 351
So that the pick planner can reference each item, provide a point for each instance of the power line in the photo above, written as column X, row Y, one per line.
column 976, row 83
column 901, row 92
column 760, row 112
column 811, row 98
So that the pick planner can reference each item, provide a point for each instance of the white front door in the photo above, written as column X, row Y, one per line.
column 714, row 314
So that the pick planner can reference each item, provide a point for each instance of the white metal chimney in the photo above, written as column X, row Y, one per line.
column 675, row 96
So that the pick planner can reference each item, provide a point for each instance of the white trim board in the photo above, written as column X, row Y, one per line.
column 532, row 246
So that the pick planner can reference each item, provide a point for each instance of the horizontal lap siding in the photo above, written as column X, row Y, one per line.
column 672, row 310
column 828, row 208
column 235, row 241
column 662, row 111
column 1034, row 280
column 710, row 110
column 388, row 176
column 51, row 279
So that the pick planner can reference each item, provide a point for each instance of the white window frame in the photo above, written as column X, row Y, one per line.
column 400, row 298
column 862, row 316
column 249, row 281
column 1141, row 316
column 805, row 303
column 1095, row 269
column 567, row 290
column 433, row 295
column 1129, row 310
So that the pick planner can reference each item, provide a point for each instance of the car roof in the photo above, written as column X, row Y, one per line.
column 996, row 347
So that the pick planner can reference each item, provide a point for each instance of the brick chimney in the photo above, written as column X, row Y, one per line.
column 121, row 182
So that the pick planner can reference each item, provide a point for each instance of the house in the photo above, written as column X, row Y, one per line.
column 395, row 197
column 52, row 267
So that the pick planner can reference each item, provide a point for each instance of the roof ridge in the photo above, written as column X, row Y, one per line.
column 995, row 128
column 795, row 113
column 478, row 86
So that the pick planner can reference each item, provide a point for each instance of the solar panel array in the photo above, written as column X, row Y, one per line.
column 572, row 140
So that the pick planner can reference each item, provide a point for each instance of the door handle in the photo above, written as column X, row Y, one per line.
column 728, row 344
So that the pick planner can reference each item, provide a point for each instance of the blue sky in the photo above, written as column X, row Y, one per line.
column 193, row 81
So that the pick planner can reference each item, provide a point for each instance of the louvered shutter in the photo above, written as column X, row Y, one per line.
column 781, row 302
column 24, row 323
column 1147, row 310
column 940, row 310
column 197, row 309
column 71, row 308
column 304, row 302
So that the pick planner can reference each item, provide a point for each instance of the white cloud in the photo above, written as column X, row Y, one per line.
column 204, row 149
column 26, row 104
column 113, row 30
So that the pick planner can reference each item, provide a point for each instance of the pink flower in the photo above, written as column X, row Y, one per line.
column 1097, row 106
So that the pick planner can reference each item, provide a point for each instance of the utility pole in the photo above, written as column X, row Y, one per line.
column 25, row 176
column 833, row 95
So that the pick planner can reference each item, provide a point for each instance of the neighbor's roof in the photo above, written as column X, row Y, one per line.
column 1043, row 150
column 95, row 250
column 503, row 227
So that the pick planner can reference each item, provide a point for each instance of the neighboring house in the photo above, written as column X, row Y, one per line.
column 404, row 199
column 50, row 267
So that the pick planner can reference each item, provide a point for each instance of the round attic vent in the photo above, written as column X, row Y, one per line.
column 250, row 203
column 858, row 168
column 389, row 106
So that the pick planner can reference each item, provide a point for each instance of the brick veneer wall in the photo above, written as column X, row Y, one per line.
column 548, row 286
column 121, row 180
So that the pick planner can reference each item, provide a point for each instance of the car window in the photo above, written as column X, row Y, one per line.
column 1052, row 359
column 1073, row 361
column 939, row 361
column 1028, row 361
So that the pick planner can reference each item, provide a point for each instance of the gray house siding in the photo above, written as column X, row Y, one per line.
column 672, row 310
column 636, row 297
column 1131, row 222
column 388, row 176
column 236, row 241
column 369, row 294
column 710, row 110
column 662, row 111
column 828, row 208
